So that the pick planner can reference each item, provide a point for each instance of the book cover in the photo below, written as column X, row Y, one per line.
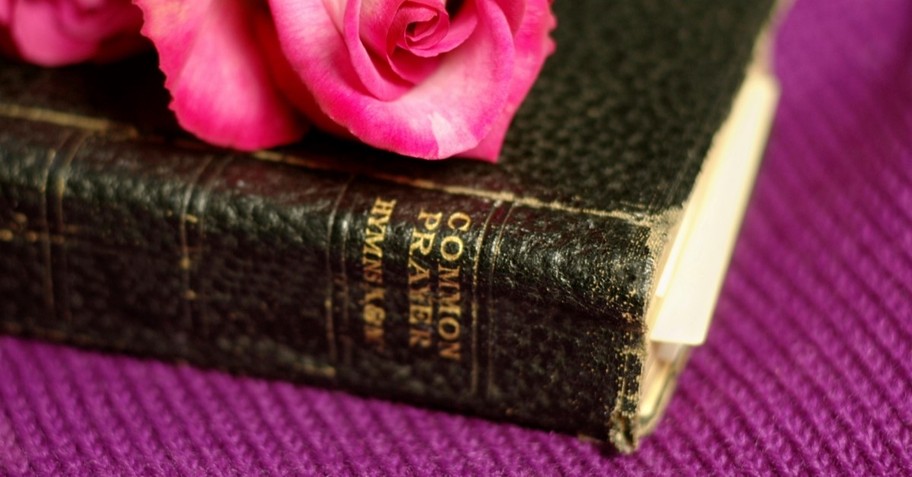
column 525, row 291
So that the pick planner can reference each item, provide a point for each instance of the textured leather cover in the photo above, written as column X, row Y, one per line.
column 514, row 291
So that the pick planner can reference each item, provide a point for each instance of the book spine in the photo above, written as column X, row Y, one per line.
column 474, row 301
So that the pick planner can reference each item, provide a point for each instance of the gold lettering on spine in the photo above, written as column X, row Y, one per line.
column 421, row 304
column 451, row 248
column 449, row 313
column 431, row 221
column 422, row 243
column 374, row 310
column 459, row 221
column 435, row 309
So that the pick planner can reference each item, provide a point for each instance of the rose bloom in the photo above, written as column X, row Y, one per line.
column 423, row 78
column 60, row 32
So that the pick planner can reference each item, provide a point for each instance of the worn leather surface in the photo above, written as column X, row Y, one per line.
column 128, row 236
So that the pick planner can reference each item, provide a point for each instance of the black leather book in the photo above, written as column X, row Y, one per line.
column 559, row 288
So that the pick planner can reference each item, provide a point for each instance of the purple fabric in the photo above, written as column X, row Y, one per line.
column 808, row 368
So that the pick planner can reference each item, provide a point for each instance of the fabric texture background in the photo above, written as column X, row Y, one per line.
column 807, row 369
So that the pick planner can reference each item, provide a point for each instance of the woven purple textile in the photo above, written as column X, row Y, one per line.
column 808, row 368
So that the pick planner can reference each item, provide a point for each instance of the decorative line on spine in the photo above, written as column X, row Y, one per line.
column 60, row 178
column 45, row 234
column 328, row 303
column 185, row 263
column 479, row 243
column 492, row 321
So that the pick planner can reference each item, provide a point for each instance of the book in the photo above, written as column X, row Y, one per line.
column 560, row 288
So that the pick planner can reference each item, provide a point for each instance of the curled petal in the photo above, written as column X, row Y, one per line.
column 417, row 34
column 448, row 113
column 212, row 53
column 515, row 11
column 410, row 67
column 460, row 27
column 376, row 20
column 415, row 61
column 376, row 76
column 392, row 45
column 288, row 81
column 418, row 24
column 533, row 45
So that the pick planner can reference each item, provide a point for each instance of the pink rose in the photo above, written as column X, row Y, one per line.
column 425, row 78
column 222, row 61
column 59, row 32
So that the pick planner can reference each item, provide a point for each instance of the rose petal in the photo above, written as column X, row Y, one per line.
column 461, row 26
column 40, row 40
column 290, row 83
column 515, row 10
column 217, row 73
column 375, row 73
column 430, row 16
column 380, row 38
column 411, row 68
column 98, row 19
column 376, row 19
column 90, row 4
column 6, row 8
column 335, row 9
column 431, row 25
column 447, row 114
column 533, row 45
column 56, row 33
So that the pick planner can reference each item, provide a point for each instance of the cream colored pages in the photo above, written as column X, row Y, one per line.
column 693, row 270
column 690, row 282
